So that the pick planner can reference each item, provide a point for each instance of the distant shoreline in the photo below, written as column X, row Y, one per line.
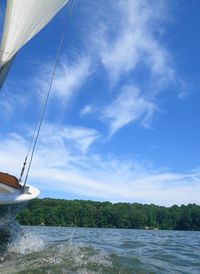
column 81, row 213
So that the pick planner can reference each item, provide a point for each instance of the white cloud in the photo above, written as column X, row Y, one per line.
column 129, row 106
column 57, row 167
column 70, row 77
column 128, row 44
column 12, row 153
column 135, row 39
column 6, row 105
column 126, row 37
column 185, row 89
column 88, row 109
column 13, row 103
column 76, row 137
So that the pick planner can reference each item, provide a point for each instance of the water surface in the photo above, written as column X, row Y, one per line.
column 89, row 250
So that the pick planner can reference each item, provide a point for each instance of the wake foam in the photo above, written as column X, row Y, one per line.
column 25, row 243
column 35, row 254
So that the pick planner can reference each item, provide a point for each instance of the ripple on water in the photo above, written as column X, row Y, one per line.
column 62, row 258
column 76, row 250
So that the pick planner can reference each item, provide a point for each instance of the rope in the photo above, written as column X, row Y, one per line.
column 29, row 149
column 45, row 102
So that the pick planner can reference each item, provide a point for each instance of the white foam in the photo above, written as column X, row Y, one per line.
column 26, row 244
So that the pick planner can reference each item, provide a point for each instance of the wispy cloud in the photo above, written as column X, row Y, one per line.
column 134, row 40
column 70, row 77
column 59, row 168
column 87, row 109
column 128, row 45
column 124, row 41
column 129, row 106
column 79, row 138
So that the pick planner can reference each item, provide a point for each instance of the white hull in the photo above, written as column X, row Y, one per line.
column 11, row 202
column 17, row 196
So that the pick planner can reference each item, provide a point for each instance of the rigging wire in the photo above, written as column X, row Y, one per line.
column 38, row 127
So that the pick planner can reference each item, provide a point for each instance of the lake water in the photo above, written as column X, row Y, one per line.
column 82, row 250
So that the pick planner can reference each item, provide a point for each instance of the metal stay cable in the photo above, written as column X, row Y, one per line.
column 38, row 127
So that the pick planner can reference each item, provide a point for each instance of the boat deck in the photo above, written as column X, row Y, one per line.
column 10, row 181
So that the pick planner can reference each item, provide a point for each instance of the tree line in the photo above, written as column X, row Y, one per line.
column 81, row 213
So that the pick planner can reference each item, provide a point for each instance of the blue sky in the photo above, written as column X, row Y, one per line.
column 122, row 123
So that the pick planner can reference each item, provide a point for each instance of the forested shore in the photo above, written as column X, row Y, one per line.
column 81, row 213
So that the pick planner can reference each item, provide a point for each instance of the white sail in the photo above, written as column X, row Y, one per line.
column 24, row 19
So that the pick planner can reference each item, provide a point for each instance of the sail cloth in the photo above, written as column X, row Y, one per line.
column 23, row 20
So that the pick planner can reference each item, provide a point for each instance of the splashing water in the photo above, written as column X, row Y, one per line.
column 77, row 250
column 31, row 252
column 25, row 243
column 9, row 229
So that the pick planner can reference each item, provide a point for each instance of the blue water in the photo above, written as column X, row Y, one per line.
column 83, row 250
